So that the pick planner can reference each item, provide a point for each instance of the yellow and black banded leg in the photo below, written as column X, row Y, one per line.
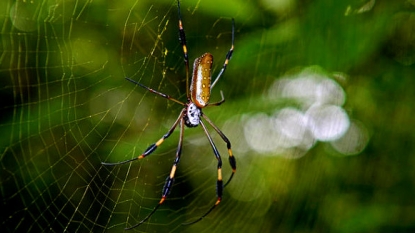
column 219, row 182
column 228, row 56
column 169, row 180
column 182, row 40
column 232, row 160
column 152, row 147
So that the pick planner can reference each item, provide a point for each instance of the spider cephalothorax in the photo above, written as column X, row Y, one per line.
column 192, row 115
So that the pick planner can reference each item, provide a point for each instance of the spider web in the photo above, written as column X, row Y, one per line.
column 67, row 108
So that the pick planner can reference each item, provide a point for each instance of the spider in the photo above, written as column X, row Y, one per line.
column 198, row 95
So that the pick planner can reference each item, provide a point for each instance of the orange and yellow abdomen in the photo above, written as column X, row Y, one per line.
column 201, row 78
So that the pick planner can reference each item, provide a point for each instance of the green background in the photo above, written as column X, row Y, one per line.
column 66, row 107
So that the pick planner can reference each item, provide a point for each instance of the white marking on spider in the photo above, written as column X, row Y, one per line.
column 193, row 113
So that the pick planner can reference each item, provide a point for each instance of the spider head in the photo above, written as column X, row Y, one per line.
column 192, row 116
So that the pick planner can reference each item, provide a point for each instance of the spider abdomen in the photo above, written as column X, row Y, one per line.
column 200, row 85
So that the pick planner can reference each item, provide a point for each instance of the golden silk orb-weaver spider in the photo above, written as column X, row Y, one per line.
column 198, row 95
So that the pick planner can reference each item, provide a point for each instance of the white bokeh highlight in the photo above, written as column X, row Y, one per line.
column 314, row 113
column 327, row 122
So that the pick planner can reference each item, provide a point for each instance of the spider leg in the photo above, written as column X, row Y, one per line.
column 182, row 40
column 228, row 56
column 153, row 146
column 170, row 178
column 219, row 183
column 232, row 160
column 156, row 92
column 219, row 102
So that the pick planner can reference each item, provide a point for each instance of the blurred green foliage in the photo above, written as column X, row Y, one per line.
column 67, row 107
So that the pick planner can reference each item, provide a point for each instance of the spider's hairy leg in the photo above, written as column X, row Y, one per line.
column 153, row 146
column 219, row 182
column 156, row 92
column 228, row 56
column 182, row 40
column 219, row 102
column 232, row 160
column 169, row 180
